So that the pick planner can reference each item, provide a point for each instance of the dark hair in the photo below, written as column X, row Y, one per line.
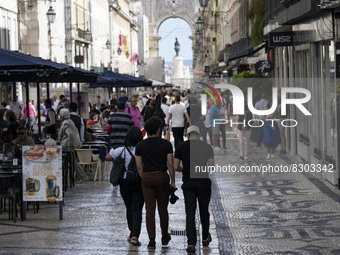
column 152, row 125
column 61, row 97
column 133, row 136
column 48, row 102
column 178, row 99
column 21, row 128
column 73, row 107
column 10, row 116
column 164, row 100
column 4, row 104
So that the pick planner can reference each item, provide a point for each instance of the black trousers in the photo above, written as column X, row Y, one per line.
column 132, row 195
column 178, row 133
column 197, row 190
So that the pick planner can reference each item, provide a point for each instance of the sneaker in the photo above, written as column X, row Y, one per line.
column 191, row 248
column 268, row 156
column 207, row 241
column 152, row 244
column 217, row 148
column 245, row 157
column 134, row 241
column 272, row 156
column 166, row 239
column 242, row 158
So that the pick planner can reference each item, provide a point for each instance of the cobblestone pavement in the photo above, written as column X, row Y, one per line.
column 273, row 213
column 252, row 213
column 94, row 223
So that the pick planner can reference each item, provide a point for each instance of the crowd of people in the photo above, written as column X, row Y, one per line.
column 126, row 120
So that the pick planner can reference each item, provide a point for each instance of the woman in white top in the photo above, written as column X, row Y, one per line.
column 131, row 192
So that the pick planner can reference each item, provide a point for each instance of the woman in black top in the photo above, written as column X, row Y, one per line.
column 154, row 157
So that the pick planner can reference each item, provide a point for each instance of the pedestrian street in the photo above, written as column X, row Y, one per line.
column 273, row 213
column 251, row 213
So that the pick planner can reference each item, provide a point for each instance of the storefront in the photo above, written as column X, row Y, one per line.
column 308, row 60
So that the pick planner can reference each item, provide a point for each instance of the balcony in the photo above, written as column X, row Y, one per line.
column 84, row 35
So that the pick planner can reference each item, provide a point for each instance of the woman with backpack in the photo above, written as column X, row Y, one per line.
column 130, row 189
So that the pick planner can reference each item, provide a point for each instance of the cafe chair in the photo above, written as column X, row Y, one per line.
column 85, row 158
column 7, row 193
column 100, row 158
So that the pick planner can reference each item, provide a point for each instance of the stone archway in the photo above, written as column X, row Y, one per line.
column 160, row 10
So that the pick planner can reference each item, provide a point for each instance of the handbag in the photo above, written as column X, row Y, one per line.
column 117, row 170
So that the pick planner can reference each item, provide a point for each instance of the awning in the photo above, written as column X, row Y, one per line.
column 227, row 67
column 247, row 52
column 111, row 79
column 241, row 54
column 16, row 66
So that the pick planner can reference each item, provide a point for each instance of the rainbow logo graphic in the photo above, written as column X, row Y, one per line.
column 212, row 92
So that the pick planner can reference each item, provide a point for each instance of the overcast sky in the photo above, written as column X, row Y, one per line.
column 168, row 31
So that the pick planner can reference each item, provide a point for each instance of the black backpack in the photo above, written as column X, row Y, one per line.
column 131, row 171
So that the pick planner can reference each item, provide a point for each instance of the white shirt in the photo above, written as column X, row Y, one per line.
column 177, row 111
column 125, row 155
column 165, row 109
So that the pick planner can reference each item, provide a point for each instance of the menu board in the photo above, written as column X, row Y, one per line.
column 42, row 173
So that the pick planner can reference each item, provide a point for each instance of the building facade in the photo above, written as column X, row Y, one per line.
column 304, row 41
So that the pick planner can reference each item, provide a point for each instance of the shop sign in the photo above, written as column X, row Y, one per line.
column 280, row 39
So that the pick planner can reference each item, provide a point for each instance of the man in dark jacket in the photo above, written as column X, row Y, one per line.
column 77, row 120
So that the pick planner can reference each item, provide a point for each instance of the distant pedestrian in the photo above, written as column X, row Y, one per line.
column 51, row 120
column 133, row 110
column 196, row 186
column 131, row 192
column 165, row 109
column 68, row 138
column 243, row 133
column 118, row 125
column 154, row 159
column 271, row 133
column 123, row 97
column 178, row 117
column 31, row 113
column 77, row 120
column 215, row 128
column 260, row 105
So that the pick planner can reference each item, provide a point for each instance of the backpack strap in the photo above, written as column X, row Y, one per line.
column 120, row 155
column 129, row 152
column 129, row 110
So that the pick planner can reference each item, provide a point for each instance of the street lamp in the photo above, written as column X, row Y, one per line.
column 51, row 14
column 199, row 23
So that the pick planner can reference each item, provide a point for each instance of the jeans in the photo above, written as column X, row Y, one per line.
column 156, row 190
column 178, row 133
column 197, row 190
column 132, row 195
